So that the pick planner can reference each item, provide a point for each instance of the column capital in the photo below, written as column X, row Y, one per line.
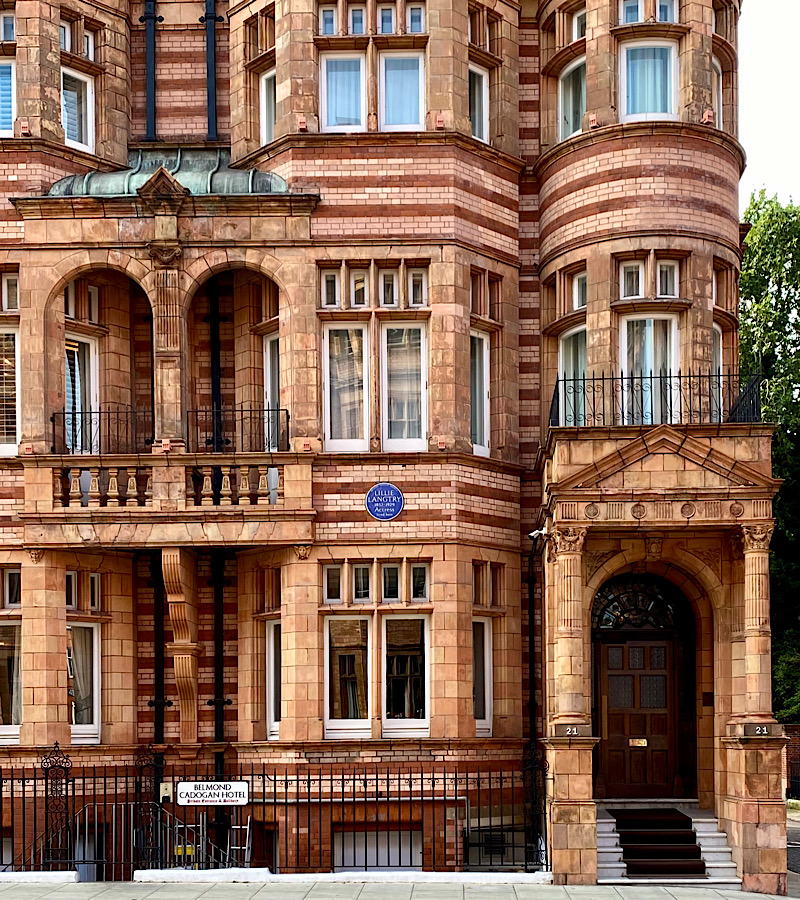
column 757, row 537
column 569, row 540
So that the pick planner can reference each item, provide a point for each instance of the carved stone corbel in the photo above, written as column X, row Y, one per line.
column 180, row 583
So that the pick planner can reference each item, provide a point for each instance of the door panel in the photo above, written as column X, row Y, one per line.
column 637, row 711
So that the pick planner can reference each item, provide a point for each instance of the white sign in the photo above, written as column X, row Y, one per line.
column 213, row 793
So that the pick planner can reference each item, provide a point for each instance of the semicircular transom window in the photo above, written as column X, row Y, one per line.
column 632, row 602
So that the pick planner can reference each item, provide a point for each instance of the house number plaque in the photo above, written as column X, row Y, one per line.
column 637, row 742
column 752, row 730
column 566, row 730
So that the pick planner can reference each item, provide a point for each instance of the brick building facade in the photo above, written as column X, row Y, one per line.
column 485, row 252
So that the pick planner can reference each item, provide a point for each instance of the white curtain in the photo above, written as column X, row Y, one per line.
column 346, row 377
column 573, row 389
column 343, row 90
column 401, row 86
column 83, row 674
column 648, row 80
column 648, row 388
column 404, row 382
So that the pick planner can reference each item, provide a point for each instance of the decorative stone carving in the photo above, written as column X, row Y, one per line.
column 35, row 554
column 569, row 540
column 653, row 545
column 595, row 559
column 737, row 509
column 638, row 510
column 757, row 537
column 163, row 194
column 302, row 551
column 165, row 255
column 711, row 557
column 688, row 510
column 591, row 511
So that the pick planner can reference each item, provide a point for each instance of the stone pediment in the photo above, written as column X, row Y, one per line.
column 162, row 193
column 654, row 461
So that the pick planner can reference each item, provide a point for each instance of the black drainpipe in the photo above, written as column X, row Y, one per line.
column 221, row 819
column 215, row 349
column 210, row 19
column 150, row 18
column 159, row 703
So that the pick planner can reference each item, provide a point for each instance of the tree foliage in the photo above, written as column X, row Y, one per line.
column 770, row 344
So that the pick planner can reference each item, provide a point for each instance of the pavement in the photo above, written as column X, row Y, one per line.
column 355, row 891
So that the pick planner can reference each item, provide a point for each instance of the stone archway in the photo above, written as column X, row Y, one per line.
column 644, row 659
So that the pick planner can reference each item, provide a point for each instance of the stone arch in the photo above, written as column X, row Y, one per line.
column 200, row 270
column 81, row 262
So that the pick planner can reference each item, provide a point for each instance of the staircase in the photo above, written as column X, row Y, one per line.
column 641, row 843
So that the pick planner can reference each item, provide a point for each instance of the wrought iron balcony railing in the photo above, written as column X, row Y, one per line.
column 240, row 429
column 693, row 399
column 113, row 429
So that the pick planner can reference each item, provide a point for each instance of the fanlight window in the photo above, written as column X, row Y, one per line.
column 633, row 603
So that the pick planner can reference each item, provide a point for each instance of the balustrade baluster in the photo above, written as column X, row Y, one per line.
column 75, row 492
column 132, row 490
column 279, row 485
column 58, row 489
column 225, row 492
column 94, row 486
column 148, row 489
column 244, row 486
column 207, row 491
column 112, row 496
column 263, row 485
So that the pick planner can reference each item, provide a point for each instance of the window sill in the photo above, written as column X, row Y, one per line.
column 81, row 64
column 341, row 41
column 84, row 148
column 8, row 48
column 400, row 41
column 564, row 57
column 484, row 58
column 644, row 30
column 650, row 304
column 9, row 735
column 392, row 728
column 484, row 323
column 348, row 733
column 261, row 63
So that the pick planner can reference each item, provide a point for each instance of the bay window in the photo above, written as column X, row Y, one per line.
column 572, row 378
column 631, row 280
column 8, row 97
column 406, row 676
column 268, row 113
column 668, row 281
column 717, row 395
column 273, row 671
column 479, row 392
column 572, row 99
column 83, row 682
column 77, row 109
column 479, row 102
column 345, row 379
column 9, row 392
column 404, row 387
column 348, row 654
column 631, row 11
column 648, row 81
column 342, row 92
column 648, row 352
column 10, row 683
column 482, row 676
column 402, row 91
column 666, row 11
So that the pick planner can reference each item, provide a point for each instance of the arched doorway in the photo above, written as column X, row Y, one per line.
column 643, row 643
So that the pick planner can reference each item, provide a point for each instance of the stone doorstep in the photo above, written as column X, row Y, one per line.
column 264, row 876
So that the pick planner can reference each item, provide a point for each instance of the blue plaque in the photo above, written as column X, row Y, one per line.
column 384, row 501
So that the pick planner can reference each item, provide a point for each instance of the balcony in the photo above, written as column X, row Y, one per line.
column 649, row 400
column 241, row 429
column 113, row 429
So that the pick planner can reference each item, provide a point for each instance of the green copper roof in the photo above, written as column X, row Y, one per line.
column 200, row 171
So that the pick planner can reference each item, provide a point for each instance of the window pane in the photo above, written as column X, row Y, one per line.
column 573, row 101
column 580, row 25
column 343, row 91
column 477, row 113
column 346, row 376
column 404, row 383
column 391, row 583
column 401, row 86
column 80, row 673
column 666, row 10
column 8, row 389
column 649, row 346
column 386, row 21
column 415, row 20
column 417, row 283
column 361, row 583
column 328, row 21
column 10, row 684
column 12, row 597
column 359, row 297
column 580, row 290
column 573, row 355
column 630, row 11
column 276, row 673
column 269, row 108
column 479, row 669
column 388, row 294
column 630, row 283
column 419, row 582
column 333, row 583
column 8, row 28
column 347, row 648
column 6, row 98
column 649, row 80
column 357, row 21
column 405, row 669
column 73, row 108
column 477, row 391
column 666, row 281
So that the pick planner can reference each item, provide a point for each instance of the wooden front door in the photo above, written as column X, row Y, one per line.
column 637, row 719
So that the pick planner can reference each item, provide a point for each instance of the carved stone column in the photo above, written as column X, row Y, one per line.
column 758, row 651
column 570, row 631
column 180, row 583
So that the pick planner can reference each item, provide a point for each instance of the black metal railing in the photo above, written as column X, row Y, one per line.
column 107, row 822
column 793, row 779
column 693, row 399
column 240, row 429
column 112, row 429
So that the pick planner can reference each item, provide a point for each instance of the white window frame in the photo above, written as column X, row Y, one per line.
column 346, row 728
column 427, row 597
column 90, row 116
column 576, row 280
column 399, row 597
column 483, row 727
column 404, row 445
column 322, row 11
column 629, row 264
column 576, row 64
column 11, row 63
column 327, row 601
column 406, row 126
column 350, row 10
column 354, row 274
column 273, row 724
column 410, row 728
column 88, row 44
column 676, row 269
column 484, row 74
column 358, row 444
column 575, row 17
column 13, row 449
column 71, row 589
column 481, row 449
column 69, row 300
column 95, row 591
column 715, row 280
column 421, row 7
column 640, row 17
column 93, row 294
column 412, row 273
column 8, row 278
column 394, row 275
column 719, row 98
column 623, row 339
column 324, row 279
column 267, row 127
column 392, row 10
column 355, row 567
column 6, row 592
column 94, row 367
column 9, row 734
column 674, row 17
column 323, row 93
column 90, row 734
column 65, row 36
column 4, row 16
column 623, row 82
